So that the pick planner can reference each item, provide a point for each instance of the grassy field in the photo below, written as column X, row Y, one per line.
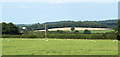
column 59, row 47
column 95, row 31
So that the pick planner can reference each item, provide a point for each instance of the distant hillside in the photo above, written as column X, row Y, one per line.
column 112, row 23
column 77, row 24
column 62, row 24
column 58, row 22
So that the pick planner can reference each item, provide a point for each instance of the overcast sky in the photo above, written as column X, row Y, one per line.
column 24, row 12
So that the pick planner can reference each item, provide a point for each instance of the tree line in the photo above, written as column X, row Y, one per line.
column 64, row 35
column 118, row 36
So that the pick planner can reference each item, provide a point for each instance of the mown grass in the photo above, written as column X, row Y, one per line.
column 59, row 47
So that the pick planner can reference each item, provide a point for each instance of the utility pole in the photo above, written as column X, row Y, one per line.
column 45, row 31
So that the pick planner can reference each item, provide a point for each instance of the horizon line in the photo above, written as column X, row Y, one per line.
column 60, row 21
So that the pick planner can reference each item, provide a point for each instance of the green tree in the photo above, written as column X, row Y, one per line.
column 119, row 27
column 4, row 28
column 116, row 28
column 72, row 28
column 118, row 36
column 87, row 32
column 9, row 28
column 76, row 31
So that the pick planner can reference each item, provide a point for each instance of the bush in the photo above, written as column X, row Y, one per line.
column 11, row 36
column 28, row 36
column 65, row 36
column 60, row 31
column 76, row 31
column 87, row 32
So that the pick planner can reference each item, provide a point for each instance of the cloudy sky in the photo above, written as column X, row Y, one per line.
column 34, row 11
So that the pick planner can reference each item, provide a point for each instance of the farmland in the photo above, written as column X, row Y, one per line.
column 59, row 47
column 61, row 41
column 59, row 28
column 95, row 31
column 78, row 28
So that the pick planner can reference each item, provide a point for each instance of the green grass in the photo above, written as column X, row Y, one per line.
column 95, row 31
column 59, row 47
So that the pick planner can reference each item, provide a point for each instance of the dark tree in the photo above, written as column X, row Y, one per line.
column 116, row 28
column 118, row 36
column 9, row 28
column 72, row 28
column 119, row 27
column 87, row 32
column 76, row 31
column 4, row 28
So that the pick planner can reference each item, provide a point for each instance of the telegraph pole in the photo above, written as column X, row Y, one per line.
column 45, row 31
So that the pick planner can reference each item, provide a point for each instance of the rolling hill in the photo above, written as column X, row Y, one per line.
column 63, row 24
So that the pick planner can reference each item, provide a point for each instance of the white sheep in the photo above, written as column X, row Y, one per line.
column 46, row 40
column 8, row 40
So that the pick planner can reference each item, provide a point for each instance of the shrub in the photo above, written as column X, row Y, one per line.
column 76, row 31
column 87, row 32
column 65, row 36
column 60, row 31
column 28, row 36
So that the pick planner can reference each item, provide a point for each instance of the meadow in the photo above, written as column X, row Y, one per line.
column 94, row 31
column 27, row 46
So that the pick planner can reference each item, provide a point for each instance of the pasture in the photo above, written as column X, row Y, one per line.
column 94, row 31
column 59, row 47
